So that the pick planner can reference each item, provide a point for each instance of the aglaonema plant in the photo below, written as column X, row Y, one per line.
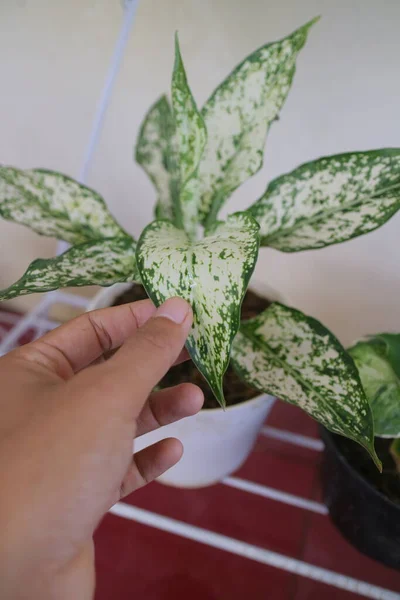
column 196, row 159
column 378, row 361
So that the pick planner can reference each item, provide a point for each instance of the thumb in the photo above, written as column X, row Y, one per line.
column 146, row 356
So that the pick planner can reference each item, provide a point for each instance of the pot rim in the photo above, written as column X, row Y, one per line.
column 329, row 441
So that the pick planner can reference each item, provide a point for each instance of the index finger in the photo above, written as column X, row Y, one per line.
column 78, row 343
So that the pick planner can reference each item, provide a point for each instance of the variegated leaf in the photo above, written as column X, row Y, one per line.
column 156, row 152
column 212, row 274
column 55, row 205
column 329, row 200
column 191, row 139
column 190, row 128
column 290, row 355
column 100, row 262
column 378, row 362
column 237, row 118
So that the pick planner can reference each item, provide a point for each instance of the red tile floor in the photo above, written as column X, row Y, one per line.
column 262, row 534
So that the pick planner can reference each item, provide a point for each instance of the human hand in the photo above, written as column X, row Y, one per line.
column 66, row 430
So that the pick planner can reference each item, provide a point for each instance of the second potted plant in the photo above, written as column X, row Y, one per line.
column 363, row 504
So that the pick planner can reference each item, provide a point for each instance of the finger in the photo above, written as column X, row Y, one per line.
column 132, row 373
column 150, row 463
column 83, row 340
column 169, row 405
column 183, row 356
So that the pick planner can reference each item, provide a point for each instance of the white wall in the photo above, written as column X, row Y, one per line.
column 345, row 97
column 53, row 60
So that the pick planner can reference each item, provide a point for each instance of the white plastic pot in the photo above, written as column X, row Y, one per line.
column 216, row 441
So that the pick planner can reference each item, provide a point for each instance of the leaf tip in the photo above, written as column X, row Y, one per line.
column 304, row 29
column 314, row 20
column 177, row 47
column 7, row 293
column 178, row 72
column 378, row 463
column 161, row 101
column 219, row 395
column 371, row 450
column 311, row 23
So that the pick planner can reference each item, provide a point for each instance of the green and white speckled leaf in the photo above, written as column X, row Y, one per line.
column 55, row 205
column 156, row 152
column 191, row 138
column 292, row 356
column 190, row 128
column 238, row 116
column 329, row 200
column 100, row 262
column 378, row 362
column 212, row 274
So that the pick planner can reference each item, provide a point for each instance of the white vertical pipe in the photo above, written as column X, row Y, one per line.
column 130, row 7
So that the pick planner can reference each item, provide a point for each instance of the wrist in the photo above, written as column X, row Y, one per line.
column 24, row 576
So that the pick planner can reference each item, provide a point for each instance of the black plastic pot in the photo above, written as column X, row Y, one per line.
column 364, row 516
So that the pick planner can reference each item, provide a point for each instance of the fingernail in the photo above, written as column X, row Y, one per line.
column 174, row 309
